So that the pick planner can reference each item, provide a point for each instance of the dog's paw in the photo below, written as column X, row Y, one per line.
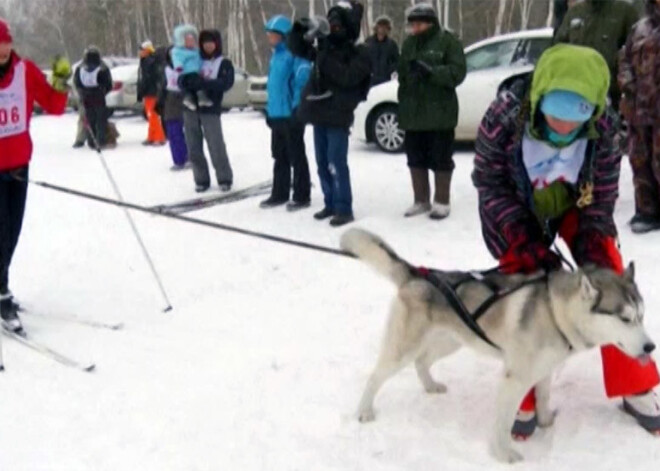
column 506, row 454
column 435, row 388
column 546, row 418
column 366, row 416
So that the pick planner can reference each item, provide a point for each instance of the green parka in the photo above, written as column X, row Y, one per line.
column 429, row 104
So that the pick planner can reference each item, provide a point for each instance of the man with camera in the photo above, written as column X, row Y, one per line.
column 340, row 80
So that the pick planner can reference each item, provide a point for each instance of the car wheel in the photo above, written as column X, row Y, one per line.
column 385, row 129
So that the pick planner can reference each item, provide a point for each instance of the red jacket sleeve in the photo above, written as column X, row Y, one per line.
column 39, row 90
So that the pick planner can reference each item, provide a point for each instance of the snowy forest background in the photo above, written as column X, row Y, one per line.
column 43, row 28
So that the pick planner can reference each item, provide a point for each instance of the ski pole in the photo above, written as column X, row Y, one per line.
column 134, row 228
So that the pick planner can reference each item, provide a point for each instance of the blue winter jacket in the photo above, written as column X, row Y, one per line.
column 287, row 77
column 185, row 61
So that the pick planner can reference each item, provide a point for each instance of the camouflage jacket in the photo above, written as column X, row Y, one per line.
column 639, row 72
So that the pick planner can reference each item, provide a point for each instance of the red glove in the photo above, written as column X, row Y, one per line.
column 601, row 250
column 529, row 258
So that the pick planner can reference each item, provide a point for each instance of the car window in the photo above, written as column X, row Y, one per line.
column 529, row 51
column 492, row 55
column 537, row 46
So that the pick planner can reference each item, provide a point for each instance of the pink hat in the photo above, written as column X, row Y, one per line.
column 5, row 33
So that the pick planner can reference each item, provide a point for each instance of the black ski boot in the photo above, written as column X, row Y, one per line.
column 272, row 203
column 325, row 213
column 641, row 224
column 9, row 313
column 341, row 220
column 297, row 206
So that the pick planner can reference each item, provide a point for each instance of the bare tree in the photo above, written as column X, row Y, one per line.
column 253, row 40
column 499, row 21
column 525, row 11
column 166, row 22
column 44, row 27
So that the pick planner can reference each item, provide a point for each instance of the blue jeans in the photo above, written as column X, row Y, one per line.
column 331, row 146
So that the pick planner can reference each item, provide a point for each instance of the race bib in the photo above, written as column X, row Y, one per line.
column 13, row 105
column 89, row 79
column 172, row 79
column 546, row 164
column 211, row 68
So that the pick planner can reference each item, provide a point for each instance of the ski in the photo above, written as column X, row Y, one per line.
column 48, row 352
column 207, row 201
column 243, row 195
column 75, row 320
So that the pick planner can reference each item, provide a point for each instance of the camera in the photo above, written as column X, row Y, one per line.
column 306, row 35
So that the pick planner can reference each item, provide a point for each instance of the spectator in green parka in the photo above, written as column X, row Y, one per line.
column 603, row 25
column 431, row 66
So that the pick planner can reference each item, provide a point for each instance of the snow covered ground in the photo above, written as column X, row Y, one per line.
column 261, row 363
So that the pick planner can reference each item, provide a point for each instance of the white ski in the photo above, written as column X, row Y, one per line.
column 75, row 320
column 203, row 202
column 48, row 352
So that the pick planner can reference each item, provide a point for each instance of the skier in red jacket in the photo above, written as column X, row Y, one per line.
column 21, row 84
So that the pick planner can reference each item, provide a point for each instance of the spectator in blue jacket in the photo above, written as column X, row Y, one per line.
column 287, row 77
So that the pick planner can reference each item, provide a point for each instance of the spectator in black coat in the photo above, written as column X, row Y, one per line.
column 93, row 81
column 150, row 81
column 344, row 70
column 383, row 50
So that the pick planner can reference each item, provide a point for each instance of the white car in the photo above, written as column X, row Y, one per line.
column 489, row 63
column 123, row 96
column 237, row 96
column 257, row 94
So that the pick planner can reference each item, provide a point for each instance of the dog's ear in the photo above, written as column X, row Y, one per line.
column 629, row 274
column 587, row 290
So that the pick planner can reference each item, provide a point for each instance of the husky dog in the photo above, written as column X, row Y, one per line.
column 534, row 329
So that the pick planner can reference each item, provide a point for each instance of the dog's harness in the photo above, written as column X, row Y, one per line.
column 470, row 319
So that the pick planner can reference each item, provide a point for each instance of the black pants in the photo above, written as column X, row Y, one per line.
column 13, row 194
column 431, row 150
column 97, row 118
column 288, row 149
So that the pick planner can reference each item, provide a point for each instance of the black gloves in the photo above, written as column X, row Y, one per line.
column 420, row 69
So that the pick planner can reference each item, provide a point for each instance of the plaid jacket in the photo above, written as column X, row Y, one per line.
column 505, row 192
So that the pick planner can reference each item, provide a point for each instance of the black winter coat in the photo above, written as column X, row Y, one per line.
column 384, row 59
column 93, row 96
column 346, row 72
column 149, row 76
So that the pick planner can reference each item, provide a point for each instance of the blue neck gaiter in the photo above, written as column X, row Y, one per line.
column 561, row 140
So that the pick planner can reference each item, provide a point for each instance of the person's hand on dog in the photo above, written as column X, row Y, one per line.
column 529, row 258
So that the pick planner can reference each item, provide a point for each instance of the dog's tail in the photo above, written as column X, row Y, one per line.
column 375, row 252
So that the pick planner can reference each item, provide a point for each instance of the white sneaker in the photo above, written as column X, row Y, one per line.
column 646, row 409
column 417, row 209
column 440, row 211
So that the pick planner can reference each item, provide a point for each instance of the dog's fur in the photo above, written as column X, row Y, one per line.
column 536, row 328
